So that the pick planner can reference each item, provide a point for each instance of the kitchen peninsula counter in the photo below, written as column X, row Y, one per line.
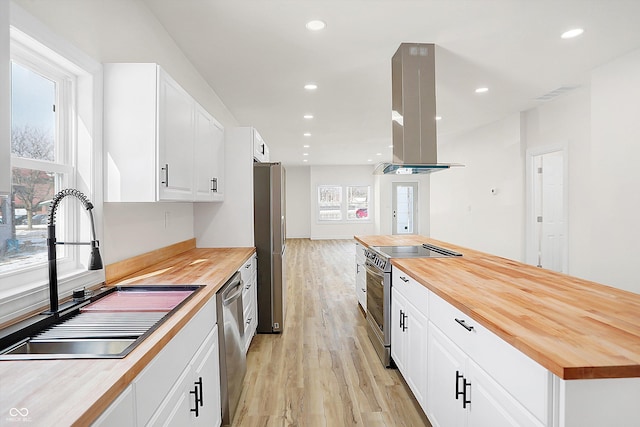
column 76, row 391
column 577, row 329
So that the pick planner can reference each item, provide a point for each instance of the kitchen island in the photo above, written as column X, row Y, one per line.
column 76, row 391
column 584, row 334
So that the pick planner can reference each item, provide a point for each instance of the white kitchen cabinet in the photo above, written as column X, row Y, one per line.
column 209, row 157
column 492, row 382
column 195, row 398
column 409, row 324
column 158, row 144
column 361, row 277
column 248, row 273
column 260, row 148
column 120, row 413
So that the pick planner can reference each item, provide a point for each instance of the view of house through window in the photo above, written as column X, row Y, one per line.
column 333, row 207
column 35, row 159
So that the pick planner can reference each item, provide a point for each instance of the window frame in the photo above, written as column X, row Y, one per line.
column 344, row 205
column 23, row 291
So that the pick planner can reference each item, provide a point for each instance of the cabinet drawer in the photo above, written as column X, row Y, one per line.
column 248, row 270
column 413, row 291
column 524, row 379
column 359, row 253
column 163, row 371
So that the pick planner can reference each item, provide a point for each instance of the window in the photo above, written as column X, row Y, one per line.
column 332, row 206
column 358, row 203
column 55, row 144
column 329, row 203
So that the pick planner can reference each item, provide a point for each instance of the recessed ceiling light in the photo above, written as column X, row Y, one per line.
column 307, row 134
column 306, row 146
column 438, row 117
column 482, row 90
column 305, row 154
column 572, row 33
column 305, row 160
column 311, row 86
column 369, row 160
column 308, row 116
column 378, row 154
column 316, row 25
column 391, row 146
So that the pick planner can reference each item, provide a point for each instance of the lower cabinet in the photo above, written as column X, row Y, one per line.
column 361, row 277
column 249, row 300
column 195, row 398
column 409, row 344
column 460, row 393
column 180, row 386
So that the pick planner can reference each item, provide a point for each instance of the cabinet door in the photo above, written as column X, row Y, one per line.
column 361, row 278
column 260, row 149
column 444, row 365
column 399, row 334
column 175, row 140
column 416, row 325
column 209, row 157
column 491, row 405
column 207, row 371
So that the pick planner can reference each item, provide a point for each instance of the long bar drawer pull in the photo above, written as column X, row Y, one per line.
column 464, row 324
column 404, row 279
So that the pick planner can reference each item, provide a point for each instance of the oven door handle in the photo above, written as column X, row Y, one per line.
column 373, row 271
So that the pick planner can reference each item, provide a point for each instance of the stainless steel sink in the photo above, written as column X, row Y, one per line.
column 71, row 349
column 98, row 328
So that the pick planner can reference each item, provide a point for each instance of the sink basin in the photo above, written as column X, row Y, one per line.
column 72, row 349
column 108, row 325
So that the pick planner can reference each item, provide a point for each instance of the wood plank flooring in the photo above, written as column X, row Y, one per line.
column 322, row 370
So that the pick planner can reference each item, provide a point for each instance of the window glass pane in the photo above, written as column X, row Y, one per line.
column 358, row 202
column 33, row 120
column 23, row 234
column 329, row 203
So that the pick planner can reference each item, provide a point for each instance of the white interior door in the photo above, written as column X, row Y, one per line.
column 549, row 210
column 405, row 207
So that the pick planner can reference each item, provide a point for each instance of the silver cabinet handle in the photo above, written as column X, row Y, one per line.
column 166, row 175
column 404, row 279
column 214, row 185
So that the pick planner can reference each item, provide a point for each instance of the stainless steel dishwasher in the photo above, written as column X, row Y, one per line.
column 233, row 360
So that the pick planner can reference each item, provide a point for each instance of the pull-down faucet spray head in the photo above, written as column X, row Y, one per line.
column 95, row 262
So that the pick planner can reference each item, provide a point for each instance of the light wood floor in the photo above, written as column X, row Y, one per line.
column 322, row 370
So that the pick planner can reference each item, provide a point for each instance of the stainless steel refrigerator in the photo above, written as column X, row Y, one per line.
column 269, row 237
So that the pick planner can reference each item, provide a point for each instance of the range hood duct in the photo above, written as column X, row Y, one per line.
column 413, row 99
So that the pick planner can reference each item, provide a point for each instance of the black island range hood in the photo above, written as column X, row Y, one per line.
column 413, row 98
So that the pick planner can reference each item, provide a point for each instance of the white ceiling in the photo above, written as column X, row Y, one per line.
column 257, row 55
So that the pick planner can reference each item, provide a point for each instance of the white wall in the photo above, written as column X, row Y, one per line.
column 599, row 126
column 338, row 175
column 615, row 173
column 463, row 209
column 565, row 122
column 298, row 202
column 126, row 31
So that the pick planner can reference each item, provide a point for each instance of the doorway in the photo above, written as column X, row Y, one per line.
column 546, row 210
column 405, row 208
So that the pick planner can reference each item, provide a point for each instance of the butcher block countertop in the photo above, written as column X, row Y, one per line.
column 76, row 392
column 575, row 328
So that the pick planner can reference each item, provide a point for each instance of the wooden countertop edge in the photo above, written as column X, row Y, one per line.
column 564, row 372
column 141, row 356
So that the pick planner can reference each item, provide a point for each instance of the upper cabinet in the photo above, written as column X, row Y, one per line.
column 209, row 159
column 160, row 144
column 260, row 148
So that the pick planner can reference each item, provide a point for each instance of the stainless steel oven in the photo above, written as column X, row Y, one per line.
column 378, row 268
column 378, row 275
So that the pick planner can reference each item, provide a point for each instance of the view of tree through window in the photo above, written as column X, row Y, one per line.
column 329, row 203
column 358, row 202
column 23, row 230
